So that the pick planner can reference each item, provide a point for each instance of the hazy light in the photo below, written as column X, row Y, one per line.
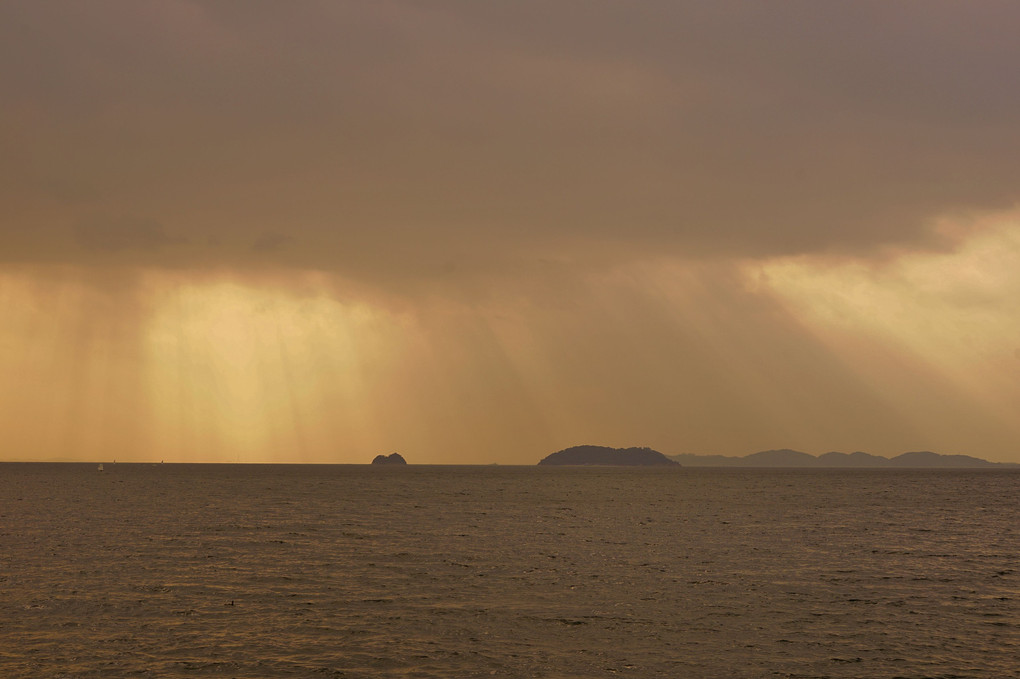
column 920, row 319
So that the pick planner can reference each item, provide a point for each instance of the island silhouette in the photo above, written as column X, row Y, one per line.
column 604, row 455
column 794, row 458
column 392, row 458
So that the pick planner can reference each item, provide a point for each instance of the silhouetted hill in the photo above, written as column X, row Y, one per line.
column 779, row 458
column 602, row 455
column 394, row 458
column 857, row 459
column 794, row 458
column 928, row 459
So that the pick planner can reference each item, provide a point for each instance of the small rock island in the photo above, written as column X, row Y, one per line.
column 393, row 458
column 603, row 455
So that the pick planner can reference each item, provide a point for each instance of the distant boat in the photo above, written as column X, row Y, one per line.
column 100, row 466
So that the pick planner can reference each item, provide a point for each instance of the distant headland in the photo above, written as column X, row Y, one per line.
column 792, row 458
column 393, row 458
column 603, row 455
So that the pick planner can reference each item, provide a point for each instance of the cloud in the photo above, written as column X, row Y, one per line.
column 124, row 233
column 384, row 140
column 271, row 242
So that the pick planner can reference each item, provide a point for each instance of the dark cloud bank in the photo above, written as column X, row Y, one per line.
column 405, row 139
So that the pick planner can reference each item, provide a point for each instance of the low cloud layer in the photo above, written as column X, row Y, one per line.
column 123, row 234
column 400, row 139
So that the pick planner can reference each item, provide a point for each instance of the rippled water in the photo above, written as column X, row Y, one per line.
column 351, row 571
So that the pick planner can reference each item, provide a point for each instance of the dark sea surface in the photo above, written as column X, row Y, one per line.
column 360, row 571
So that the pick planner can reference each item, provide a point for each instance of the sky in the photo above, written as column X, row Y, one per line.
column 476, row 233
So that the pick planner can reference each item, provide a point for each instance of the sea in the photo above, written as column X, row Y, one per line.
column 188, row 570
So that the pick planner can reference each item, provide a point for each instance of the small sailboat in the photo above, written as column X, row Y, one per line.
column 100, row 466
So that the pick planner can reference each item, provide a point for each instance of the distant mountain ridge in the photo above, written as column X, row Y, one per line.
column 794, row 458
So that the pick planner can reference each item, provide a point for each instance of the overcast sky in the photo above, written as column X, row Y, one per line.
column 483, row 231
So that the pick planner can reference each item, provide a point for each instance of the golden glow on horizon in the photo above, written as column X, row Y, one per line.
column 216, row 371
column 918, row 352
column 938, row 315
column 230, row 369
column 240, row 372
